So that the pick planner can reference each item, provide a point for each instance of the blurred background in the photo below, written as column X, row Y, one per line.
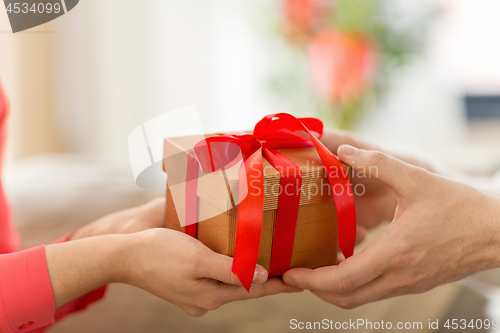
column 420, row 78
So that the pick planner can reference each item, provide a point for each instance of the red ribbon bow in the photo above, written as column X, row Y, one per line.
column 279, row 130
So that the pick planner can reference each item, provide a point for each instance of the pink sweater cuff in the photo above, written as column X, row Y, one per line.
column 27, row 300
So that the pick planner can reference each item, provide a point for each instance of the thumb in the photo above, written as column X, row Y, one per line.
column 219, row 267
column 374, row 164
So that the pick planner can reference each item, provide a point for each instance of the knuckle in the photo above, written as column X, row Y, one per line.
column 408, row 284
column 193, row 312
column 152, row 235
column 197, row 255
column 346, row 304
column 416, row 176
column 412, row 282
column 404, row 284
column 210, row 304
column 416, row 284
column 418, row 289
column 304, row 283
column 197, row 250
column 344, row 285
column 400, row 261
column 263, row 291
column 377, row 158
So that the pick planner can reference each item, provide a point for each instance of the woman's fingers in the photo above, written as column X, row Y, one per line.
column 273, row 286
column 214, row 294
column 219, row 267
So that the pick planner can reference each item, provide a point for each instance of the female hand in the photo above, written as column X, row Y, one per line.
column 166, row 263
column 442, row 231
column 182, row 270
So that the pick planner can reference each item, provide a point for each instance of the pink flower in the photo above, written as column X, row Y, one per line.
column 341, row 65
column 302, row 17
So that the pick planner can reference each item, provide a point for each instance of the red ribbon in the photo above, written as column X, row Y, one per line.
column 274, row 131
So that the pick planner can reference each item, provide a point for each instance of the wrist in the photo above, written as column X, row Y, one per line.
column 76, row 268
column 125, row 268
column 491, row 220
column 115, row 258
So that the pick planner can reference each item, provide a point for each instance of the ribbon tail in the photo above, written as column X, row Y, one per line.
column 344, row 198
column 337, row 176
column 288, row 210
column 250, row 215
column 191, row 204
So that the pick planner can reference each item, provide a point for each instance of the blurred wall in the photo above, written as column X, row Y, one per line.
column 82, row 82
column 120, row 64
column 26, row 72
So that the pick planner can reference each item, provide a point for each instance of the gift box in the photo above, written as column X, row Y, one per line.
column 294, row 209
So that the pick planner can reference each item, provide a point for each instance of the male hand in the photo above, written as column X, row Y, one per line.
column 375, row 201
column 442, row 231
column 140, row 218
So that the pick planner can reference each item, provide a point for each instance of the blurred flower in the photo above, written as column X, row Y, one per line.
column 342, row 54
column 302, row 17
column 342, row 65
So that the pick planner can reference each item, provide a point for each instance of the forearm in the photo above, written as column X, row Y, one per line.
column 78, row 267
column 97, row 253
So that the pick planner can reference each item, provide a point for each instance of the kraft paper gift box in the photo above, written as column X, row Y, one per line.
column 316, row 235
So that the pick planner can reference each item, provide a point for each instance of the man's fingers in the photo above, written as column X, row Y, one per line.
column 378, row 290
column 219, row 267
column 374, row 164
column 154, row 213
column 370, row 292
column 350, row 274
column 333, row 138
column 360, row 237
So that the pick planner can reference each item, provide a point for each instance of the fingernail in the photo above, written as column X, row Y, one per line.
column 260, row 275
column 349, row 150
column 288, row 281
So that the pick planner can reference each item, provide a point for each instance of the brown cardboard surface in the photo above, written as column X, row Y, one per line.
column 315, row 243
